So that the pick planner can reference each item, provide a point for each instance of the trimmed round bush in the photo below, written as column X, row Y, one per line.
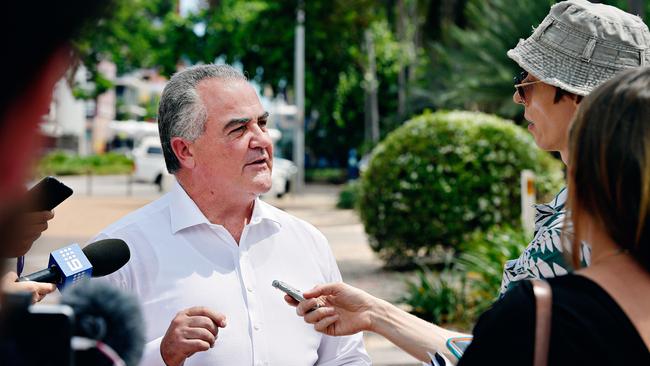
column 443, row 175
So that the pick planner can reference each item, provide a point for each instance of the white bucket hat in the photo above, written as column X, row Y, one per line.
column 579, row 45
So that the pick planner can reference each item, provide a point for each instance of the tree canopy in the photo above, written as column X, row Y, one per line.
column 430, row 54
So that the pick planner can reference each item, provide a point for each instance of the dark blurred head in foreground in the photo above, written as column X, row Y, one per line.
column 610, row 163
column 35, row 43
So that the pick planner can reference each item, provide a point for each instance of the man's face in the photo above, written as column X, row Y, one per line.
column 234, row 154
column 549, row 121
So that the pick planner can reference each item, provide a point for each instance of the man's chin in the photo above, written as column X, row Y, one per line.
column 261, row 187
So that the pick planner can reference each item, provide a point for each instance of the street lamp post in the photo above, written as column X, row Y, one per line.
column 299, row 86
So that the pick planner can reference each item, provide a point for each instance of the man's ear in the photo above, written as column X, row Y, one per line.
column 182, row 150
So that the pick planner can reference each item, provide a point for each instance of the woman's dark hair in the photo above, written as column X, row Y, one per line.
column 559, row 93
column 609, row 176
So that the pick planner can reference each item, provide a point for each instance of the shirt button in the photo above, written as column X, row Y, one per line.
column 257, row 327
column 249, row 288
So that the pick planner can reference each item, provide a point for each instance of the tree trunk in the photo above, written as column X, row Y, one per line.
column 637, row 7
column 401, row 76
column 372, row 106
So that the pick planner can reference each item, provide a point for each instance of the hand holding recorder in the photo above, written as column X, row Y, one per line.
column 346, row 310
column 31, row 216
column 336, row 309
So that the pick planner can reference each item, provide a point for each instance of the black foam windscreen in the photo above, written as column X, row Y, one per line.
column 106, row 314
column 107, row 256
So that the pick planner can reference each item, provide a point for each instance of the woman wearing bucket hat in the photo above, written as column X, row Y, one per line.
column 577, row 47
column 599, row 315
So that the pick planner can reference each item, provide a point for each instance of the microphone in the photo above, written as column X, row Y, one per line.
column 104, row 316
column 71, row 264
column 21, row 345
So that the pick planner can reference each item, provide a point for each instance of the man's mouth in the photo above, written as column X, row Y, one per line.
column 258, row 161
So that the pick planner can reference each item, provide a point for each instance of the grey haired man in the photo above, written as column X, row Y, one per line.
column 205, row 254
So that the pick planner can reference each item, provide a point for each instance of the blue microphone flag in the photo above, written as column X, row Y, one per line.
column 72, row 263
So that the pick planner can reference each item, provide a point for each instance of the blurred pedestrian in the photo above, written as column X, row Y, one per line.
column 353, row 165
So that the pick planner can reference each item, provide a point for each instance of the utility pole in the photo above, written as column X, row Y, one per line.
column 370, row 81
column 401, row 76
column 407, row 23
column 299, row 88
column 637, row 7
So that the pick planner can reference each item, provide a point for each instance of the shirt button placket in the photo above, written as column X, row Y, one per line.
column 248, row 280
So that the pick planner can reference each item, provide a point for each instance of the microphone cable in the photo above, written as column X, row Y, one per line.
column 84, row 344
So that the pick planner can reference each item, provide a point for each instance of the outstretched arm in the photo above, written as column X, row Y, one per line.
column 344, row 310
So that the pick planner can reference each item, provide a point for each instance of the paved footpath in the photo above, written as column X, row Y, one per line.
column 82, row 216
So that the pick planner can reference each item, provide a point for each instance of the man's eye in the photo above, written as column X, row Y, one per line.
column 262, row 123
column 238, row 130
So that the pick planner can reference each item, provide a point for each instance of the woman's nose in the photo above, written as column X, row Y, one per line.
column 516, row 97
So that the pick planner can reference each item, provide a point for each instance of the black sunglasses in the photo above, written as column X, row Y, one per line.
column 520, row 85
column 518, row 80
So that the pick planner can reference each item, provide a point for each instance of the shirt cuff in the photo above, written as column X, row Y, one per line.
column 151, row 355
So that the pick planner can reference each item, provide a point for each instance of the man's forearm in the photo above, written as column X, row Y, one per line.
column 410, row 333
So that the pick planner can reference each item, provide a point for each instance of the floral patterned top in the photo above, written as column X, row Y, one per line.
column 544, row 256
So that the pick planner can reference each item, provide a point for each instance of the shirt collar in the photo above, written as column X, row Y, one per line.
column 545, row 211
column 185, row 213
column 558, row 202
column 263, row 211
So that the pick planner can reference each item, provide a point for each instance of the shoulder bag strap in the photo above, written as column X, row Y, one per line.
column 543, row 301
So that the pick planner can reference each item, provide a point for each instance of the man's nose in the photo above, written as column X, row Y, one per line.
column 260, row 138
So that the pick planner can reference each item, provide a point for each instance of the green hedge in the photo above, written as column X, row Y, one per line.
column 325, row 175
column 441, row 176
column 349, row 195
column 62, row 163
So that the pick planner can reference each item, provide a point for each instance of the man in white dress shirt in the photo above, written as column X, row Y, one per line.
column 204, row 255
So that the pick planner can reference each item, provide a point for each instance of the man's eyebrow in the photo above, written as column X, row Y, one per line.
column 242, row 121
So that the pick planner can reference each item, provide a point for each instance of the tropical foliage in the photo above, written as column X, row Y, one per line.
column 430, row 54
column 470, row 67
column 349, row 195
column 470, row 283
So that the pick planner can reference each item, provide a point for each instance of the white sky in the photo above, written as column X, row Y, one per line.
column 188, row 6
